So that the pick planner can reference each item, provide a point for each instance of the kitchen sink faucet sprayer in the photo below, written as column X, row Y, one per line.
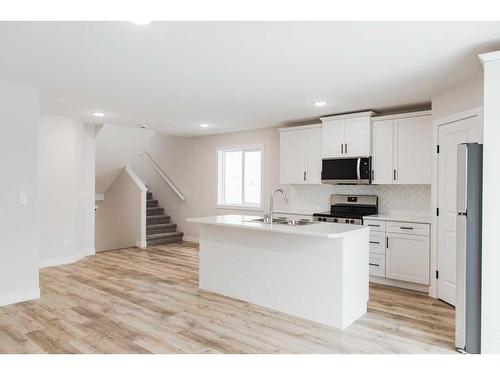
column 271, row 203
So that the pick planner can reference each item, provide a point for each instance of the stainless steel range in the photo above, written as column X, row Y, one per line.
column 349, row 209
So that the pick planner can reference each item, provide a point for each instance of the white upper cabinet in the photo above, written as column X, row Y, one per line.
column 313, row 175
column 402, row 149
column 346, row 135
column 413, row 150
column 383, row 155
column 300, row 155
column 332, row 139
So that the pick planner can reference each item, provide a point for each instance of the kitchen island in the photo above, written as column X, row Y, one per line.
column 317, row 271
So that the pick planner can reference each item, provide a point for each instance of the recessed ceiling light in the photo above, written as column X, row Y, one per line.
column 98, row 114
column 204, row 125
column 142, row 22
column 319, row 104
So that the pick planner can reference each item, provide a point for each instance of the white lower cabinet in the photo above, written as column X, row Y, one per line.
column 377, row 265
column 407, row 258
column 399, row 250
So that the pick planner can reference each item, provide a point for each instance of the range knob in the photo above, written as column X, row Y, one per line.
column 335, row 220
column 347, row 221
column 352, row 221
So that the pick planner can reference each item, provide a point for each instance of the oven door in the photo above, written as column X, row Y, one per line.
column 349, row 171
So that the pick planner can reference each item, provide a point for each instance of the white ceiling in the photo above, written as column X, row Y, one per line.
column 173, row 76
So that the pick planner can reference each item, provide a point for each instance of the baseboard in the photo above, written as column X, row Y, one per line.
column 191, row 239
column 141, row 244
column 66, row 260
column 9, row 299
column 399, row 284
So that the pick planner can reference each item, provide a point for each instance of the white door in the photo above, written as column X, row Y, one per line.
column 413, row 150
column 357, row 140
column 407, row 258
column 382, row 147
column 314, row 156
column 449, row 136
column 293, row 157
column 332, row 139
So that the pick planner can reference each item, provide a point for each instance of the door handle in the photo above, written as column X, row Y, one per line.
column 410, row 228
column 374, row 264
column 341, row 148
column 346, row 148
column 373, row 225
column 387, row 242
column 394, row 175
column 305, row 175
column 378, row 243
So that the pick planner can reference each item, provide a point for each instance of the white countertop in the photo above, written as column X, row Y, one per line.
column 324, row 230
column 406, row 218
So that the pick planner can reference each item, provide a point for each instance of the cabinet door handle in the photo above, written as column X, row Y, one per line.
column 410, row 228
column 378, row 243
column 305, row 175
column 373, row 225
column 387, row 242
column 341, row 148
column 374, row 264
column 394, row 175
column 346, row 148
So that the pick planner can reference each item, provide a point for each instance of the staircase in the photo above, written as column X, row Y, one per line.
column 159, row 229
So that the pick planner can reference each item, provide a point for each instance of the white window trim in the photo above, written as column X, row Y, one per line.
column 219, row 179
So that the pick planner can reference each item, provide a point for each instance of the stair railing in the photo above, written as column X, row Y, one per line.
column 163, row 175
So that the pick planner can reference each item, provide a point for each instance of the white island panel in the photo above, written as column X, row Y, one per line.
column 323, row 278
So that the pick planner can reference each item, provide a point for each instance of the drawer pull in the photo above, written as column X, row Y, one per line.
column 374, row 264
column 374, row 225
column 409, row 228
column 378, row 243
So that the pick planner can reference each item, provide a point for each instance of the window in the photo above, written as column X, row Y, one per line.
column 240, row 177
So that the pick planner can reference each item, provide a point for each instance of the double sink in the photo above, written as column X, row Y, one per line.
column 284, row 221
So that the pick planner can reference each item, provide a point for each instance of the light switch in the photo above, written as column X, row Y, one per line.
column 23, row 198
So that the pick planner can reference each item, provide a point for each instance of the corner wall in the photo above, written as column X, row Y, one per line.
column 67, row 183
column 490, row 330
column 19, row 224
column 121, row 216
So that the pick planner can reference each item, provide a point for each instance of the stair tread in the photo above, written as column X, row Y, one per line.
column 157, row 216
column 163, row 235
column 162, row 225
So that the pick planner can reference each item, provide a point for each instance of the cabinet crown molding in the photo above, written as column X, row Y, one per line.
column 302, row 127
column 402, row 115
column 488, row 57
column 347, row 115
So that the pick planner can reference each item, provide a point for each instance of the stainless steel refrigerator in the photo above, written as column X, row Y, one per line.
column 469, row 212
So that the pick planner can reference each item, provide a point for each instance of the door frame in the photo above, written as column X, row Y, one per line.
column 455, row 117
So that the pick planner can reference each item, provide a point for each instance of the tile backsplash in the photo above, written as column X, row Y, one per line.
column 412, row 200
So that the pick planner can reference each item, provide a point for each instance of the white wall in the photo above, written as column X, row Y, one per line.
column 121, row 216
column 459, row 98
column 116, row 147
column 19, row 114
column 66, row 171
column 191, row 163
column 490, row 341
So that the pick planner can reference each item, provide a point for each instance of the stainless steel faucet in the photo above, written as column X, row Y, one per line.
column 271, row 204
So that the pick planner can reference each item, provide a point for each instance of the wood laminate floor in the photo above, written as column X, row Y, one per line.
column 147, row 301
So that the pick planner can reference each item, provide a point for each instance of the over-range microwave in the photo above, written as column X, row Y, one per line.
column 349, row 171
